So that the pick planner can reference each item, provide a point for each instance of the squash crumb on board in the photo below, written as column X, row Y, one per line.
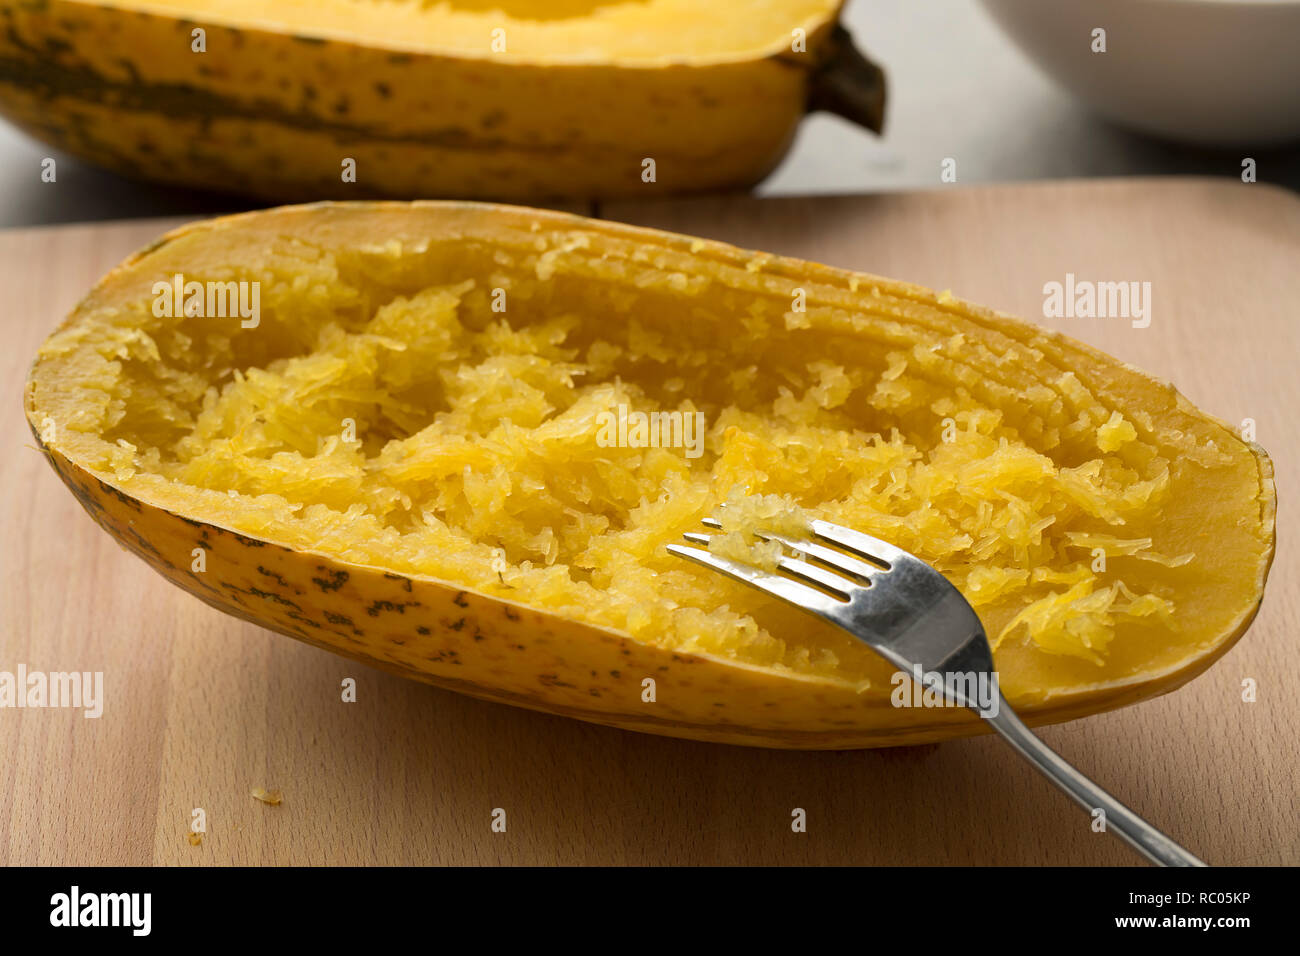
column 270, row 797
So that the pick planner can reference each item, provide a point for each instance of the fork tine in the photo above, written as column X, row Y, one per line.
column 819, row 576
column 864, row 544
column 809, row 572
column 800, row 595
column 846, row 564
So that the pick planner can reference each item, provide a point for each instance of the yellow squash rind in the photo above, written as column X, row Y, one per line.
column 303, row 111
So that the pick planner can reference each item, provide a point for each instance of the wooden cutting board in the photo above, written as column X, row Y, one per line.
column 201, row 708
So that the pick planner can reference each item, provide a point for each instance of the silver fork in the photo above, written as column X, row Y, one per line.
column 909, row 614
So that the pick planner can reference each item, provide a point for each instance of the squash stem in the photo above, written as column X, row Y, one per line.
column 848, row 84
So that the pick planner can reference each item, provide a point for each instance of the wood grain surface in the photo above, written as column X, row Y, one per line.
column 201, row 708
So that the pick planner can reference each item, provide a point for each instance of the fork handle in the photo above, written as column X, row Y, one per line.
column 1139, row 834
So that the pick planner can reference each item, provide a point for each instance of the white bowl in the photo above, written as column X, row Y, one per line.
column 1212, row 72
